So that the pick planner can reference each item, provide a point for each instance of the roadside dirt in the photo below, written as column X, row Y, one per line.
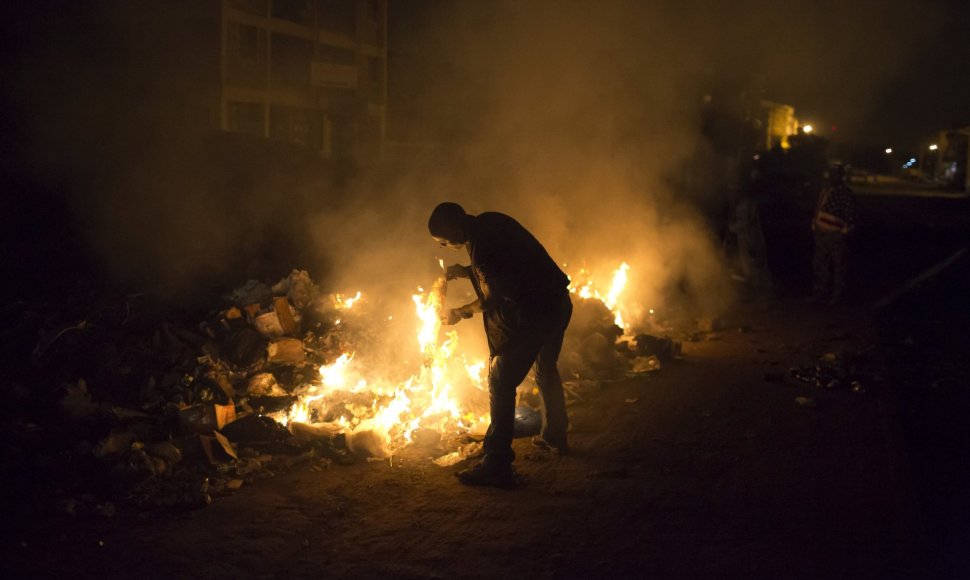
column 708, row 467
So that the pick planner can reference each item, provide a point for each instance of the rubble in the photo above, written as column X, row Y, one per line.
column 834, row 370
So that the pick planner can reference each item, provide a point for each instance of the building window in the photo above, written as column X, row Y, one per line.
column 246, row 46
column 245, row 55
column 338, row 16
column 375, row 78
column 375, row 67
column 290, row 61
column 293, row 10
column 297, row 126
column 334, row 55
column 246, row 118
column 257, row 7
column 372, row 10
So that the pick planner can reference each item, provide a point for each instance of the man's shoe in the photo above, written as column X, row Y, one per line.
column 539, row 443
column 482, row 474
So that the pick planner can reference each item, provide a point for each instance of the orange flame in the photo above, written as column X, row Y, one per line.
column 432, row 397
column 611, row 298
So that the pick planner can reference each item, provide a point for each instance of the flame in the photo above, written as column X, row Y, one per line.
column 611, row 298
column 429, row 309
column 346, row 303
column 334, row 375
column 441, row 394
column 427, row 399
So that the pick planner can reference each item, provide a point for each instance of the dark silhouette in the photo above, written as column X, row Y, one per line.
column 526, row 307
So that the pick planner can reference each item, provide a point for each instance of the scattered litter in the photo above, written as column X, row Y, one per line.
column 299, row 288
column 426, row 438
column 286, row 351
column 269, row 325
column 646, row 364
column 467, row 451
column 176, row 411
column 252, row 292
column 266, row 385
column 367, row 440
column 528, row 422
column 664, row 348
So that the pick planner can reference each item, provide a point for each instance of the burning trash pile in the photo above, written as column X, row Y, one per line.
column 127, row 403
column 601, row 339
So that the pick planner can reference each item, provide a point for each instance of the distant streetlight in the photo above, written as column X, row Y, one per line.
column 889, row 150
column 807, row 129
column 933, row 147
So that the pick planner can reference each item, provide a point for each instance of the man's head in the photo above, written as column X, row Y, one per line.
column 447, row 225
column 836, row 174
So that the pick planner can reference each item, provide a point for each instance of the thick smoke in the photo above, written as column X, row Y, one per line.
column 580, row 119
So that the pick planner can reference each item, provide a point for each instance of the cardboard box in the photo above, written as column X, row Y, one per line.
column 206, row 418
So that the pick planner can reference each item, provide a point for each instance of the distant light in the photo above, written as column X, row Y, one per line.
column 807, row 129
column 889, row 150
column 757, row 157
column 933, row 147
column 912, row 160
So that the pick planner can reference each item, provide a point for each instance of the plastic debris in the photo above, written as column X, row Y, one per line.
column 464, row 452
column 265, row 385
column 646, row 364
column 252, row 292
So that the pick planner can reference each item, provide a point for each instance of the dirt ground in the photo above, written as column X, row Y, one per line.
column 708, row 468
column 704, row 468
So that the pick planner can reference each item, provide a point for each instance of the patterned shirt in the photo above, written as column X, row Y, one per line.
column 836, row 209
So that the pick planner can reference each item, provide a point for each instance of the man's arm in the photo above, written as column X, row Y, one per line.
column 457, row 271
column 456, row 315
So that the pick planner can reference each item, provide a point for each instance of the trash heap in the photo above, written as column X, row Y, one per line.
column 596, row 347
column 119, row 401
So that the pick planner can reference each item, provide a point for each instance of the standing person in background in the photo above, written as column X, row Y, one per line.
column 832, row 224
column 745, row 223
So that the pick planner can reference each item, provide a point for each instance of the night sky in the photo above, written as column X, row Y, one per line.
column 885, row 73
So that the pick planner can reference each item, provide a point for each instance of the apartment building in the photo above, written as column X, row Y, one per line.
column 308, row 72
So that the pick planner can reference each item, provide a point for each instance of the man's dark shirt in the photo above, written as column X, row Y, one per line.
column 520, row 286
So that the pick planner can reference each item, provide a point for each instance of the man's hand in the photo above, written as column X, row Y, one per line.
column 456, row 271
column 456, row 315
